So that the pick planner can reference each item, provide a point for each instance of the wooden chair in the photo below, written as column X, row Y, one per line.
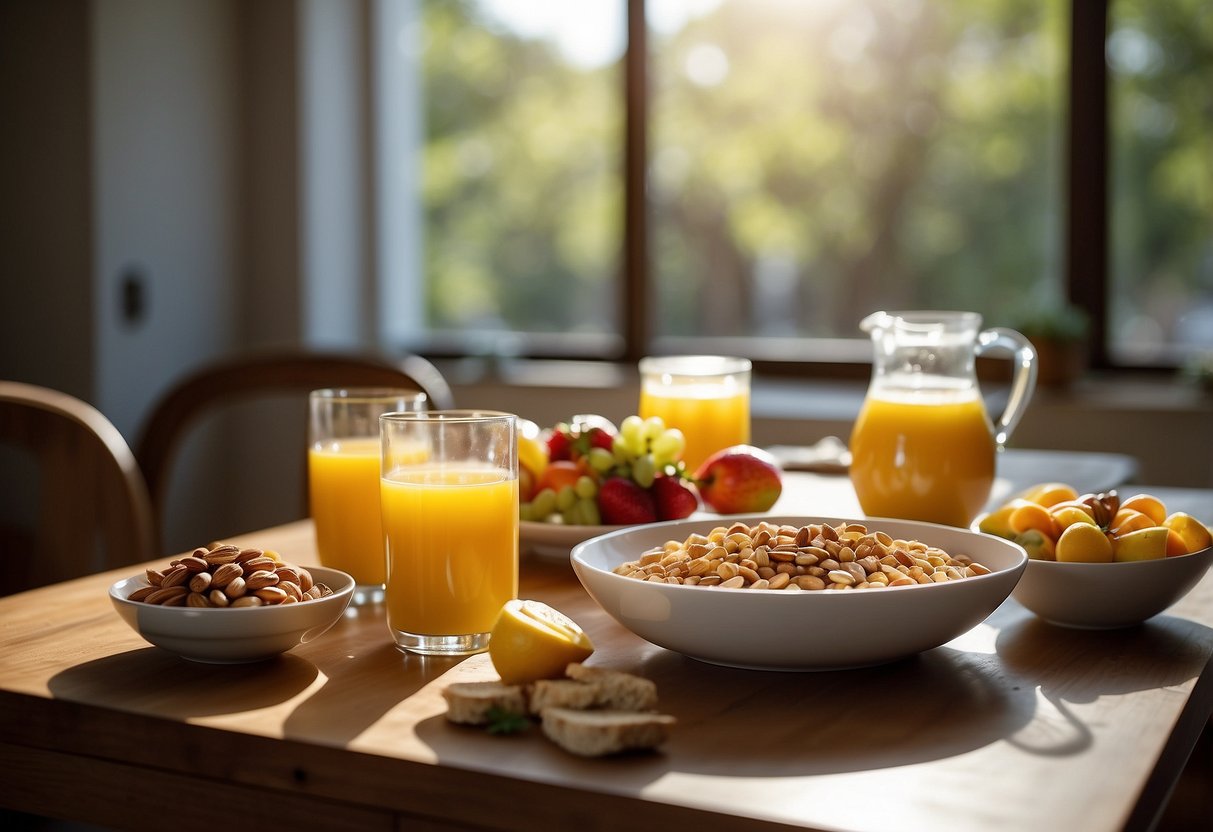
column 90, row 504
column 230, row 382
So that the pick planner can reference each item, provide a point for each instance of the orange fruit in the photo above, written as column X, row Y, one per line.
column 531, row 640
column 1084, row 543
column 1128, row 520
column 1051, row 493
column 1031, row 516
column 1147, row 504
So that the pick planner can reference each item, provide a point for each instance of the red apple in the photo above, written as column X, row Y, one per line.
column 739, row 480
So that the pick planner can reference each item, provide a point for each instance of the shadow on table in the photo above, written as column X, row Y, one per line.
column 939, row 704
column 153, row 681
column 1089, row 664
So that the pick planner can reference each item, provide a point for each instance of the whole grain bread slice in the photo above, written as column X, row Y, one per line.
column 470, row 703
column 616, row 690
column 598, row 733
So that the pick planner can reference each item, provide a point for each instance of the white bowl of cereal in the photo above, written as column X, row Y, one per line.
column 764, row 624
column 235, row 634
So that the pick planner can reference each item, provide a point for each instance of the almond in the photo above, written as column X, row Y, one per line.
column 271, row 594
column 201, row 582
column 260, row 579
column 225, row 574
column 177, row 576
column 246, row 555
column 163, row 595
column 141, row 593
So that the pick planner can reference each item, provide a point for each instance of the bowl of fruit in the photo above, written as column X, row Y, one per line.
column 1097, row 561
column 585, row 477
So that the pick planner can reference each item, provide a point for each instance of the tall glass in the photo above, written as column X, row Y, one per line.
column 707, row 397
column 343, row 479
column 449, row 497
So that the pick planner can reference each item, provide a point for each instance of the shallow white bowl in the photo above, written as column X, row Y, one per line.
column 234, row 636
column 1103, row 596
column 781, row 630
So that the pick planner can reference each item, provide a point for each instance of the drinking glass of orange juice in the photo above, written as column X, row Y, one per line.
column 707, row 397
column 450, row 517
column 923, row 447
column 343, row 479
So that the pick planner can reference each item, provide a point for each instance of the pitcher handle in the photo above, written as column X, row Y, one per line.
column 1023, row 379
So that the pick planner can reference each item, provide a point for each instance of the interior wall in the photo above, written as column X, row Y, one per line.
column 165, row 165
column 46, row 326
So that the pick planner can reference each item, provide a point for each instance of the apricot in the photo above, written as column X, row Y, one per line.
column 1127, row 520
column 1050, row 493
column 1175, row 544
column 998, row 521
column 1195, row 534
column 1147, row 504
column 1069, row 515
column 1038, row 545
column 1149, row 543
column 1084, row 543
column 1031, row 516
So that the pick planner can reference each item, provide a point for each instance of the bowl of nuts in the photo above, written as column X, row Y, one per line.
column 798, row 593
column 232, row 605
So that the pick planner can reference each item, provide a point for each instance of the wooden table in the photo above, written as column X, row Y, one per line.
column 1014, row 725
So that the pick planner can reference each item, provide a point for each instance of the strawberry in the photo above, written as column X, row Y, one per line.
column 624, row 503
column 560, row 444
column 673, row 499
column 601, row 438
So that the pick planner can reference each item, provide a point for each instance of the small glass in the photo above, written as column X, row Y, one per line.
column 343, row 480
column 707, row 397
column 449, row 496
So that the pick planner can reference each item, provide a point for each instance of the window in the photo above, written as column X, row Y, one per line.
column 1160, row 59
column 804, row 164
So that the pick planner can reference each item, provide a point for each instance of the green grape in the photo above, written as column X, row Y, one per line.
column 590, row 516
column 632, row 430
column 654, row 426
column 526, row 512
column 565, row 497
column 601, row 460
column 669, row 446
column 585, row 487
column 619, row 450
column 644, row 470
column 571, row 515
column 543, row 504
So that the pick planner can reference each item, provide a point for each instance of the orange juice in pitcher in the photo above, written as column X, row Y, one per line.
column 923, row 447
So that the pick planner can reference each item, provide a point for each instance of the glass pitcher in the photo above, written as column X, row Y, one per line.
column 923, row 447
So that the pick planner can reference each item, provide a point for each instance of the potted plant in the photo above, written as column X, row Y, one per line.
column 1058, row 331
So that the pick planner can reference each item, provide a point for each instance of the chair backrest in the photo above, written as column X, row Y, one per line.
column 91, row 504
column 264, row 375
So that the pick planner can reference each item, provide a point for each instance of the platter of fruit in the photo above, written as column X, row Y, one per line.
column 1097, row 561
column 586, row 477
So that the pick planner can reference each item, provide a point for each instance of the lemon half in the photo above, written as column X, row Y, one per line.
column 534, row 641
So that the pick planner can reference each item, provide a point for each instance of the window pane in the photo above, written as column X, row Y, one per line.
column 521, row 167
column 813, row 162
column 1160, row 59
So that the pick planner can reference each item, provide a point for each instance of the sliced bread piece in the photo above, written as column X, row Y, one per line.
column 469, row 703
column 616, row 690
column 597, row 733
column 562, row 693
